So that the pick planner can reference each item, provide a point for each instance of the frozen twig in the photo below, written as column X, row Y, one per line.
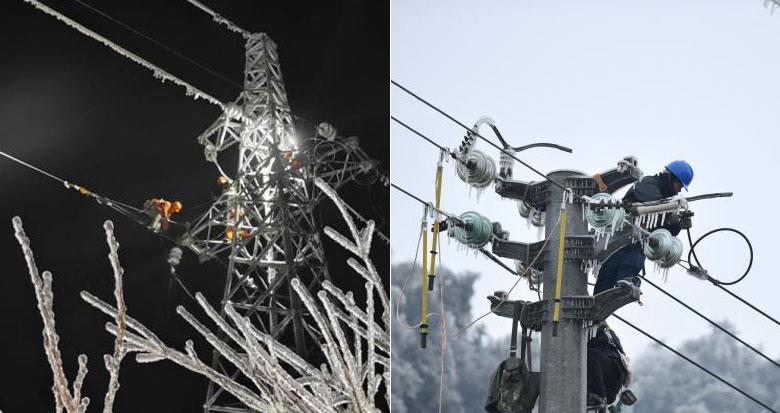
column 43, row 294
column 355, row 346
column 112, row 362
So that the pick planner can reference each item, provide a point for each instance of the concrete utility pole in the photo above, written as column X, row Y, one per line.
column 567, row 312
column 563, row 357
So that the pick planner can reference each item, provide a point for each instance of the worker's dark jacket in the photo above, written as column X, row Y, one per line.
column 655, row 188
column 605, row 370
column 629, row 260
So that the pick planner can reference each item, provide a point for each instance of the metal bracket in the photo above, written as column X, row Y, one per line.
column 627, row 172
column 575, row 247
column 577, row 308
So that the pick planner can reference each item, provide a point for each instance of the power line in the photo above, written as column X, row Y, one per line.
column 710, row 321
column 162, row 45
column 695, row 363
column 422, row 136
column 747, row 303
column 477, row 134
column 653, row 338
column 158, row 72
column 219, row 19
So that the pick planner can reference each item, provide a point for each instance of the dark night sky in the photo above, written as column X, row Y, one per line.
column 75, row 108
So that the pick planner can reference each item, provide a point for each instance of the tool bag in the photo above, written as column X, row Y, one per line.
column 513, row 388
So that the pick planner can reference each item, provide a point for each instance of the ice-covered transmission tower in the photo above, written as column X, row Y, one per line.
column 263, row 225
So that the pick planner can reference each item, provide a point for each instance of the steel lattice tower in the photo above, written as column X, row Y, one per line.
column 263, row 225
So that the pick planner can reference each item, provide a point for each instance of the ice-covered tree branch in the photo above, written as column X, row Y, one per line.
column 356, row 348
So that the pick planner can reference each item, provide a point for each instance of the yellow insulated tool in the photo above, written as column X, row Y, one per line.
column 559, row 276
column 432, row 272
column 424, row 322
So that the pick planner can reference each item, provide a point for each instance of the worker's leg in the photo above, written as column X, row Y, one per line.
column 596, row 389
column 613, row 377
column 632, row 262
column 608, row 274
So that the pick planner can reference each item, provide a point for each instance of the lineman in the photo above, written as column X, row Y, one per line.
column 608, row 368
column 626, row 263
column 161, row 210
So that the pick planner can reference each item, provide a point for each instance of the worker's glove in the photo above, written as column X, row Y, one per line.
column 685, row 219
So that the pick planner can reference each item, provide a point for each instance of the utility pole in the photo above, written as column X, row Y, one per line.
column 566, row 313
column 563, row 353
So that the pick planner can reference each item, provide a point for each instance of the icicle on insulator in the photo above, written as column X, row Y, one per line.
column 524, row 209
column 477, row 232
column 477, row 169
column 667, row 250
column 607, row 218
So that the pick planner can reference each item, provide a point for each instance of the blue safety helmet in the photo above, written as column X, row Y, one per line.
column 682, row 170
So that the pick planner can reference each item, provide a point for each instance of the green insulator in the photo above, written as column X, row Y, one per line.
column 481, row 169
column 672, row 256
column 477, row 232
column 665, row 250
column 605, row 217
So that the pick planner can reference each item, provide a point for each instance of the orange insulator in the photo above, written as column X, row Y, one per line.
column 229, row 232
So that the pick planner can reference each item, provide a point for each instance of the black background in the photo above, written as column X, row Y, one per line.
column 80, row 111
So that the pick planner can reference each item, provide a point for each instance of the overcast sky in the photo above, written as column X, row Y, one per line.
column 661, row 80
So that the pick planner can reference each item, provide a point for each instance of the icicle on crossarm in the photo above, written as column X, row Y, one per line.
column 157, row 72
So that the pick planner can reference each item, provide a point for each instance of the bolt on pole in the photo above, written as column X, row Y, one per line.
column 563, row 356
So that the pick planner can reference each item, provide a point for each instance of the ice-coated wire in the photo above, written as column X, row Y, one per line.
column 461, row 124
column 721, row 379
column 157, row 71
column 219, row 19
column 160, row 44
column 453, row 217
column 429, row 140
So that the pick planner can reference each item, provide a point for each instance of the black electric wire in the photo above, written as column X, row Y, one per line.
column 721, row 379
column 655, row 339
column 748, row 304
column 478, row 135
column 710, row 321
column 692, row 252
column 496, row 260
column 423, row 136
